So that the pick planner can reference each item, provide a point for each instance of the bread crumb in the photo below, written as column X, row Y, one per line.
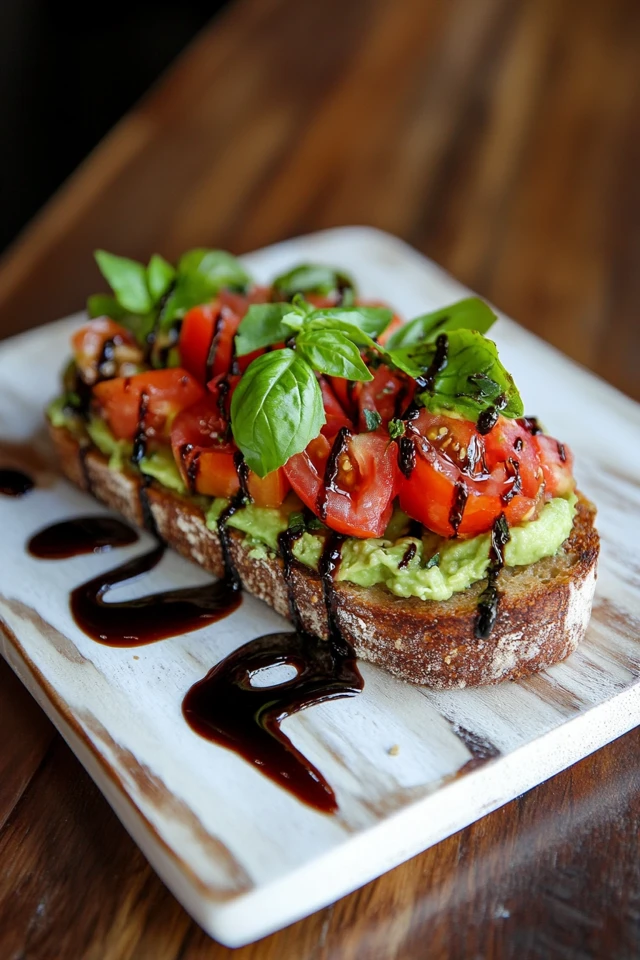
column 398, row 644
column 394, row 750
column 135, row 657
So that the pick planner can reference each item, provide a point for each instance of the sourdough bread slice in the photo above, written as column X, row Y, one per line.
column 543, row 614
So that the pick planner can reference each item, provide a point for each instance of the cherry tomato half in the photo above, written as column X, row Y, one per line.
column 360, row 501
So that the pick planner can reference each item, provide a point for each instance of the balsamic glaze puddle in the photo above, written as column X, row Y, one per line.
column 226, row 708
column 132, row 623
column 15, row 483
column 70, row 538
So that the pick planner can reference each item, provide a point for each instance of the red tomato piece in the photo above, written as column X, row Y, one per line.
column 462, row 481
column 204, row 451
column 206, row 340
column 336, row 417
column 388, row 394
column 208, row 331
column 165, row 393
column 557, row 466
column 102, row 348
column 360, row 500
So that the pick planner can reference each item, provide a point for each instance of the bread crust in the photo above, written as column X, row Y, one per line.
column 543, row 615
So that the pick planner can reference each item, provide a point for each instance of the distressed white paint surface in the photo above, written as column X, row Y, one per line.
column 243, row 856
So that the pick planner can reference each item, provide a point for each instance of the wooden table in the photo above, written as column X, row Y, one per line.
column 502, row 138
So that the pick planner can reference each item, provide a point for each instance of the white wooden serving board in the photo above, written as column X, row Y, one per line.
column 244, row 856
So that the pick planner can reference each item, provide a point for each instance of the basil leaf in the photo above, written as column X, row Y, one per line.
column 331, row 352
column 397, row 429
column 336, row 325
column 371, row 320
column 128, row 280
column 312, row 278
column 200, row 276
column 372, row 419
column 472, row 362
column 262, row 326
column 160, row 276
column 276, row 410
column 102, row 305
column 469, row 314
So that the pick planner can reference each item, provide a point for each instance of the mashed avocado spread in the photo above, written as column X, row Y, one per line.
column 438, row 568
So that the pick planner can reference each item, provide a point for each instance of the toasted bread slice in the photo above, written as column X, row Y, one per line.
column 544, row 607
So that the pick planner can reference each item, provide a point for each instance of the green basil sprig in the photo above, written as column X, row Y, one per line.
column 158, row 295
column 267, row 407
column 470, row 314
column 315, row 278
column 276, row 409
column 472, row 379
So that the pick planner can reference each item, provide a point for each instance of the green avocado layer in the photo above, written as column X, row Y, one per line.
column 438, row 569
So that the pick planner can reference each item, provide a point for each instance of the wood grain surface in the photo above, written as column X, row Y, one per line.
column 502, row 138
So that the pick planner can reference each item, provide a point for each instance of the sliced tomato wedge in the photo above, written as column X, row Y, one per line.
column 462, row 480
column 360, row 500
column 557, row 466
column 206, row 340
column 388, row 394
column 208, row 331
column 149, row 400
column 102, row 348
column 204, row 451
column 336, row 417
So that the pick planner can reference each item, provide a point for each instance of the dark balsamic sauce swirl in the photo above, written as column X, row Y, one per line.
column 406, row 455
column 408, row 556
column 460, row 497
column 71, row 538
column 226, row 708
column 331, row 470
column 15, row 483
column 489, row 417
column 489, row 599
column 144, row 620
column 213, row 345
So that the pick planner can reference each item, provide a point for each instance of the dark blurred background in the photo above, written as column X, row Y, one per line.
column 68, row 71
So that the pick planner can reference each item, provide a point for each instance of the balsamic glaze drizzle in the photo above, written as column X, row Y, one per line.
column 562, row 452
column 437, row 365
column 213, row 345
column 226, row 708
column 489, row 417
column 490, row 597
column 138, row 453
column 531, row 424
column 406, row 455
column 70, row 538
column 460, row 496
column 144, row 620
column 331, row 470
column 513, row 474
column 408, row 556
column 15, row 483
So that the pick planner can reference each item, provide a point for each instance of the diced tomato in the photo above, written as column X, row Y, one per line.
column 360, row 500
column 347, row 393
column 102, row 349
column 334, row 413
column 149, row 400
column 389, row 394
column 208, row 331
column 497, row 473
column 204, row 451
column 557, row 465
column 206, row 340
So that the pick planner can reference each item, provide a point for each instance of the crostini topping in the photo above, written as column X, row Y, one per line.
column 311, row 388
